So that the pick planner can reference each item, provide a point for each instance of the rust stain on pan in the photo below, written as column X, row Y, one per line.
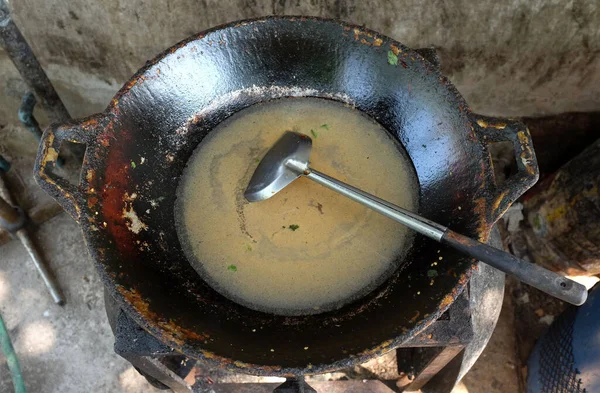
column 50, row 154
column 264, row 369
column 377, row 350
column 136, row 300
column 90, row 123
column 116, row 179
column 449, row 298
column 484, row 219
column 90, row 175
column 92, row 201
column 485, row 124
column 182, row 334
column 365, row 37
column 255, row 369
column 414, row 318
column 472, row 135
column 172, row 330
column 526, row 156
column 446, row 302
column 498, row 200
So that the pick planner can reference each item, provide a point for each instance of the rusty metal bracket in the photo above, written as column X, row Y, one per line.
column 162, row 367
column 294, row 385
column 429, row 352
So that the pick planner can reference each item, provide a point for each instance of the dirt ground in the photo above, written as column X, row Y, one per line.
column 496, row 370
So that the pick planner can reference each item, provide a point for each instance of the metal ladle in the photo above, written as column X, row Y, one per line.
column 287, row 160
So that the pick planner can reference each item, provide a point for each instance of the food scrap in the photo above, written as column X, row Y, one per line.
column 232, row 268
column 293, row 227
column 392, row 58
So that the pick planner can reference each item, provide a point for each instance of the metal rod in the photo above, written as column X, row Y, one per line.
column 38, row 261
column 29, row 67
column 25, row 239
column 403, row 216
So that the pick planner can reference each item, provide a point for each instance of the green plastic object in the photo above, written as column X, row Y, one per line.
column 11, row 359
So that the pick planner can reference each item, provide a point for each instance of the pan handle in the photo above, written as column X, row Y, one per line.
column 68, row 195
column 490, row 130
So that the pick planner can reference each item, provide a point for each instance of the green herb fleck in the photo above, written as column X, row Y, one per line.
column 283, row 227
column 257, row 160
column 325, row 126
column 424, row 146
column 432, row 273
column 392, row 58
column 248, row 247
column 232, row 268
column 293, row 227
column 314, row 134
column 133, row 164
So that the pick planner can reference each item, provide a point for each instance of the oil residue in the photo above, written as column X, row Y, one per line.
column 307, row 249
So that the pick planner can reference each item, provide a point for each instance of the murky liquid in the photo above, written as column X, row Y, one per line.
column 307, row 249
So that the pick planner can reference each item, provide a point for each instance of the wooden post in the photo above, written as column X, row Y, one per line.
column 565, row 217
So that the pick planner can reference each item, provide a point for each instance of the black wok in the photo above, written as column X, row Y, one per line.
column 166, row 109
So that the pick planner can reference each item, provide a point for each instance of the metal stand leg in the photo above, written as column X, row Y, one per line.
column 162, row 367
column 428, row 353
column 294, row 385
column 431, row 361
column 13, row 220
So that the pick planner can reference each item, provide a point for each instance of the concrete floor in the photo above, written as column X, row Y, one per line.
column 69, row 349
column 60, row 349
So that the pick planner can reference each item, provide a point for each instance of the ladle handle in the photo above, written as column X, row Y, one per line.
column 534, row 275
column 543, row 279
